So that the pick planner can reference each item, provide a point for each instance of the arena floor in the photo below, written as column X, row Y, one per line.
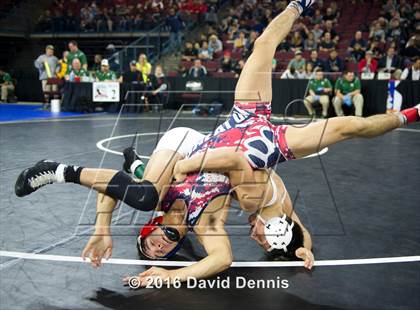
column 360, row 200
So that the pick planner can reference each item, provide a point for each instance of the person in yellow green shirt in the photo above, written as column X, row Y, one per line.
column 144, row 67
column 320, row 89
column 63, row 65
column 6, row 84
column 105, row 75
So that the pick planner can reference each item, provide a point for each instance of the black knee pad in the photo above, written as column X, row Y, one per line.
column 142, row 196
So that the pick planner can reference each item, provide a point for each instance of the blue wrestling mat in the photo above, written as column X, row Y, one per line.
column 19, row 112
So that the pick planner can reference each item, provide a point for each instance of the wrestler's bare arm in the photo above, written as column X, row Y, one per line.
column 249, row 193
column 212, row 235
column 100, row 244
column 214, row 160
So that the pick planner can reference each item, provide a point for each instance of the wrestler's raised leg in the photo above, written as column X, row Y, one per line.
column 254, row 83
column 307, row 140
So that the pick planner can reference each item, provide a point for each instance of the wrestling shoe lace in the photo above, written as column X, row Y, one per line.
column 42, row 179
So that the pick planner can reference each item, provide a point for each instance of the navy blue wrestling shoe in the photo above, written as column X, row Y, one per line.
column 301, row 5
column 35, row 177
column 131, row 157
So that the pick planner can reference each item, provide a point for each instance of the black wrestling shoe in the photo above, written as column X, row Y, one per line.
column 32, row 179
column 130, row 157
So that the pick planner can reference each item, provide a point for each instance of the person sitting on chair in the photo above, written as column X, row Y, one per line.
column 348, row 92
column 319, row 90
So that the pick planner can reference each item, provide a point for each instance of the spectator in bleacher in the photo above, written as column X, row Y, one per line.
column 358, row 53
column 97, row 63
column 239, row 67
column 198, row 70
column 412, row 73
column 77, row 72
column 298, row 62
column 157, row 86
column 75, row 53
column 249, row 46
column 315, row 61
column 377, row 32
column 320, row 89
column 197, row 47
column 389, row 6
column 306, row 74
column 105, row 74
column 376, row 48
column 47, row 66
column 330, row 15
column 104, row 21
column 317, row 32
column 334, row 63
column 297, row 42
column 181, row 70
column 215, row 44
column 415, row 22
column 205, row 53
column 290, row 74
column 396, row 33
column 310, row 42
column 284, row 46
column 348, row 92
column 189, row 52
column 227, row 64
column 358, row 39
column 131, row 76
column 317, row 18
column 174, row 22
column 334, row 8
column 240, row 41
column 329, row 27
column 211, row 17
column 6, row 83
column 404, row 6
column 303, row 30
column 327, row 44
column 412, row 48
column 390, row 62
column 62, row 65
column 144, row 67
column 368, row 64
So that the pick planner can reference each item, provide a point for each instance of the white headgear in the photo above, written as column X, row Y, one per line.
column 278, row 232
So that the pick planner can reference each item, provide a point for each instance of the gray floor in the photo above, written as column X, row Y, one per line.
column 372, row 210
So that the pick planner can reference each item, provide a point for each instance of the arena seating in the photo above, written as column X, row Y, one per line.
column 351, row 19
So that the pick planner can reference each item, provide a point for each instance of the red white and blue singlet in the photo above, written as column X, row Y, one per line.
column 249, row 130
column 197, row 191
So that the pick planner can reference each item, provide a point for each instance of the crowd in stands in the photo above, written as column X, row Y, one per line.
column 120, row 15
column 364, row 37
column 73, row 67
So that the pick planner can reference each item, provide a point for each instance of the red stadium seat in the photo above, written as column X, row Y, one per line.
column 172, row 74
column 187, row 64
column 211, row 65
column 223, row 74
